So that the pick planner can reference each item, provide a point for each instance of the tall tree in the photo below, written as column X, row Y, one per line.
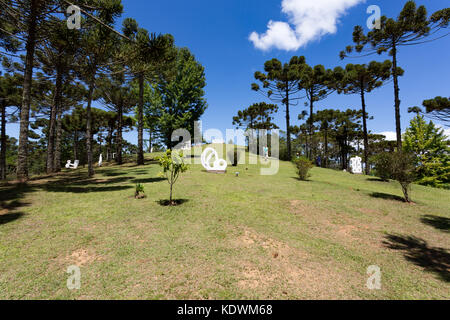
column 345, row 126
column 257, row 117
column 325, row 119
column 318, row 84
column 280, row 83
column 152, row 54
column 56, row 55
column 9, row 97
column 182, row 96
column 98, row 43
column 117, row 96
column 361, row 79
column 412, row 27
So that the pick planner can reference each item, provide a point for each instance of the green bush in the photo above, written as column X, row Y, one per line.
column 403, row 170
column 382, row 166
column 398, row 166
column 303, row 166
column 139, row 191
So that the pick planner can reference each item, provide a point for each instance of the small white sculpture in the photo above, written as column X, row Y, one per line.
column 100, row 160
column 356, row 165
column 209, row 155
column 70, row 165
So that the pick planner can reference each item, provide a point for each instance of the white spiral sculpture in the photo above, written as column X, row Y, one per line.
column 211, row 155
column 356, row 165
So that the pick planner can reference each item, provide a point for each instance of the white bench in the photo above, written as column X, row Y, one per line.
column 70, row 165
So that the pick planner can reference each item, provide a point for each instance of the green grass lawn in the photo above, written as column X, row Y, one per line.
column 246, row 237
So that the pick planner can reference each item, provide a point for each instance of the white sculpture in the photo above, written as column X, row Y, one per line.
column 356, row 165
column 209, row 155
column 70, row 165
column 100, row 160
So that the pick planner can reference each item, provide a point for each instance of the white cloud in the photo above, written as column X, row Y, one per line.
column 308, row 20
column 446, row 130
column 390, row 135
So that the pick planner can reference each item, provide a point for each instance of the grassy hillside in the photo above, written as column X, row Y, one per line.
column 249, row 237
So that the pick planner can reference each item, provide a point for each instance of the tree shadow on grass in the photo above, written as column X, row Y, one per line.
column 175, row 203
column 10, row 217
column 112, row 173
column 376, row 180
column 100, row 181
column 298, row 179
column 88, row 189
column 386, row 196
column 437, row 222
column 417, row 251
column 148, row 180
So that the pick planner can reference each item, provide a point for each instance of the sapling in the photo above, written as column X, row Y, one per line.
column 173, row 166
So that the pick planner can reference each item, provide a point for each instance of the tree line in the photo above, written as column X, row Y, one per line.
column 52, row 74
column 333, row 134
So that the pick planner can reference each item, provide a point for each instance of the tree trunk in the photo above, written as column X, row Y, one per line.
column 109, row 141
column 398, row 125
column 288, row 125
column 140, row 155
column 119, row 134
column 325, row 160
column 365, row 133
column 75, row 145
column 22, row 156
column 311, row 122
column 89, row 132
column 171, row 186
column 406, row 192
column 58, row 140
column 52, row 123
column 3, row 142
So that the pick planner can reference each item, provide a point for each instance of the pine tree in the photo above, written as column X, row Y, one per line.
column 362, row 79
column 280, row 83
column 412, row 27
column 428, row 144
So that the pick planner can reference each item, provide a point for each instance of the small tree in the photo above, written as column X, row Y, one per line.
column 173, row 166
column 303, row 165
column 403, row 170
column 398, row 166
column 429, row 146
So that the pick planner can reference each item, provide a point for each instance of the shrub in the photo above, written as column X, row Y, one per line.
column 139, row 191
column 403, row 170
column 398, row 166
column 303, row 166
column 382, row 165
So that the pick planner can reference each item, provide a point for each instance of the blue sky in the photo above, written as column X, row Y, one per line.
column 217, row 33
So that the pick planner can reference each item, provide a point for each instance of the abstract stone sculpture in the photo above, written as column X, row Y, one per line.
column 211, row 156
column 356, row 165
